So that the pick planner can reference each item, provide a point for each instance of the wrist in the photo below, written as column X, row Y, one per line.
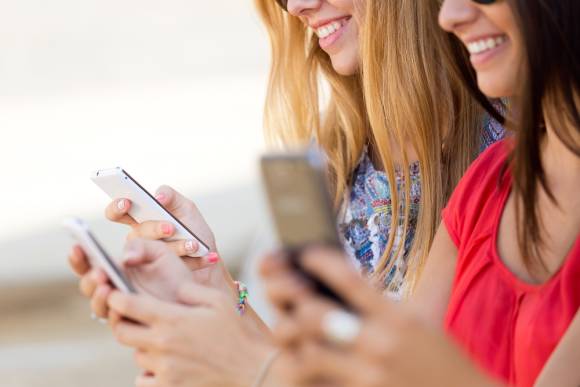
column 267, row 374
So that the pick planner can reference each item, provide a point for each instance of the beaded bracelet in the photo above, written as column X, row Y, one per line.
column 242, row 297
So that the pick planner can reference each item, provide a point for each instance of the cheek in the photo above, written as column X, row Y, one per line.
column 343, row 5
column 347, row 60
column 501, row 80
column 503, row 77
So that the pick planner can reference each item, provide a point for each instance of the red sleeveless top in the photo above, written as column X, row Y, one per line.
column 508, row 326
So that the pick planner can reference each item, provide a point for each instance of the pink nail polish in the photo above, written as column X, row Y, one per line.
column 160, row 197
column 167, row 229
column 213, row 257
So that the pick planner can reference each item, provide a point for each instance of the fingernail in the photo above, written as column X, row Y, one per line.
column 121, row 204
column 190, row 246
column 160, row 197
column 132, row 261
column 166, row 228
column 213, row 257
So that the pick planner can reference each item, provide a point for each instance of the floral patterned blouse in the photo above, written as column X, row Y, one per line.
column 365, row 218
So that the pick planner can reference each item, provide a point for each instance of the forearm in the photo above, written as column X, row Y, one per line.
column 255, row 323
column 276, row 377
column 562, row 366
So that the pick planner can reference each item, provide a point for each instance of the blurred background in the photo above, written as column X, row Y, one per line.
column 170, row 90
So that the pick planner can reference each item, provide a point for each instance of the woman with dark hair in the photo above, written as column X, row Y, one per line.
column 502, row 277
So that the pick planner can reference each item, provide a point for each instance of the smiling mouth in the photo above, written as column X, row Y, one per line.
column 480, row 46
column 331, row 28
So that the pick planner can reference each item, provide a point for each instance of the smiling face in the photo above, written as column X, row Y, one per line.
column 333, row 22
column 493, row 40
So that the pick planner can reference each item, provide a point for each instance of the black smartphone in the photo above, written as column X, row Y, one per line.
column 301, row 207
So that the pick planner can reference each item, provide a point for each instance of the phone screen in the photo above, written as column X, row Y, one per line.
column 111, row 264
column 127, row 176
column 301, row 208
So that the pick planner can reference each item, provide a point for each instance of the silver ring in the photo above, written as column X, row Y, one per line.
column 340, row 327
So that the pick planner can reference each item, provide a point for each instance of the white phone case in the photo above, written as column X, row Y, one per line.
column 119, row 184
column 97, row 255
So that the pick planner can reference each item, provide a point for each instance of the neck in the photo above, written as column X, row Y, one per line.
column 561, row 164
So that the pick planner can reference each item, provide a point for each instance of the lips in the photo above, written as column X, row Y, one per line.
column 329, row 32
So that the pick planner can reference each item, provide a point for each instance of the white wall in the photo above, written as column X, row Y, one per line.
column 171, row 90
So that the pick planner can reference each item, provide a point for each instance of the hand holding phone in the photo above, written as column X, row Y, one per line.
column 301, row 207
column 148, row 267
column 97, row 255
column 117, row 183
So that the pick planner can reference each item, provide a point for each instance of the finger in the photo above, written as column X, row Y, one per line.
column 286, row 332
column 142, row 251
column 140, row 308
column 310, row 314
column 198, row 263
column 144, row 360
column 117, row 211
column 274, row 263
column 286, row 289
column 332, row 268
column 146, row 381
column 318, row 363
column 170, row 198
column 79, row 261
column 99, row 301
column 153, row 230
column 133, row 335
column 183, row 247
column 197, row 295
column 91, row 280
column 114, row 318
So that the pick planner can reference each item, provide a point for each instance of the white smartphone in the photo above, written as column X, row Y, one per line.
column 97, row 255
column 119, row 184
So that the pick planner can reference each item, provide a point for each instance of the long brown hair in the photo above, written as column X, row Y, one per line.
column 550, row 83
column 408, row 93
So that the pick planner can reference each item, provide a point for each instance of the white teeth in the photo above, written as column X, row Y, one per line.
column 483, row 45
column 327, row 30
column 490, row 43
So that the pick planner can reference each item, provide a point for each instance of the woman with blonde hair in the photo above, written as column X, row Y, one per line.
column 399, row 128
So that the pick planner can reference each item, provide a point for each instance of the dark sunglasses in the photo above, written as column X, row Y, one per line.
column 484, row 1
column 283, row 4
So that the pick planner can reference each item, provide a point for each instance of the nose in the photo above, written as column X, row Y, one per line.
column 456, row 13
column 303, row 7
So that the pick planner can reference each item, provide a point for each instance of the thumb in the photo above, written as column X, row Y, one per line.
column 198, row 295
column 169, row 198
column 140, row 251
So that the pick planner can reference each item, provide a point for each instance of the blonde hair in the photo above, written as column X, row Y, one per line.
column 409, row 92
column 293, row 112
column 415, row 96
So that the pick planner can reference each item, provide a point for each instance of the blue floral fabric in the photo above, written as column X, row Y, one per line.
column 365, row 219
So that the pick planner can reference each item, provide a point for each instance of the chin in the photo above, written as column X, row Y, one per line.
column 345, row 67
column 493, row 87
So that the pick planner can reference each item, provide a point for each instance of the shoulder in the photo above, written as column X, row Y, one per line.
column 489, row 163
column 479, row 185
